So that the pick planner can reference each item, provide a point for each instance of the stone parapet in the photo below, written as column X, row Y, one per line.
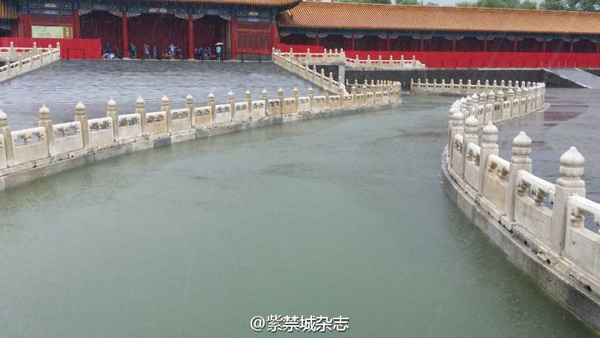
column 22, row 60
column 540, row 224
column 335, row 57
column 332, row 86
column 36, row 152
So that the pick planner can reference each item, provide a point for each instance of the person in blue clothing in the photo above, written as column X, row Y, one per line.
column 132, row 51
column 218, row 51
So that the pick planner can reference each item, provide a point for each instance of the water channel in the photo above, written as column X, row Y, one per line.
column 339, row 216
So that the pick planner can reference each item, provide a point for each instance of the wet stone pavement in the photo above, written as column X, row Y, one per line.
column 61, row 85
column 573, row 119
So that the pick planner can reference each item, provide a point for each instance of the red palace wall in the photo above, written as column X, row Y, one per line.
column 104, row 26
column 491, row 59
column 69, row 48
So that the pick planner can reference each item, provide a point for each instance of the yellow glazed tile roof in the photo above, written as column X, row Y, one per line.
column 8, row 10
column 437, row 18
column 264, row 3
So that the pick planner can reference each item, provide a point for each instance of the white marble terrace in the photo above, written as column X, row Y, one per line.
column 20, row 60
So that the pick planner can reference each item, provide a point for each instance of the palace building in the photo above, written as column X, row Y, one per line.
column 255, row 26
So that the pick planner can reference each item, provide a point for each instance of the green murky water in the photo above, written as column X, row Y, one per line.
column 342, row 216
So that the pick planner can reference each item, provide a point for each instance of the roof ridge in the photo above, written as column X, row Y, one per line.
column 457, row 8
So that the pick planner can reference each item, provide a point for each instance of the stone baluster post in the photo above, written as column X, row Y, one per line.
column 511, row 99
column 340, row 93
column 140, row 108
column 166, row 107
column 296, row 99
column 458, row 120
column 330, row 81
column 453, row 110
column 8, row 142
column 280, row 97
column 249, row 101
column 83, row 120
column 112, row 113
column 326, row 100
column 353, row 90
column 311, row 98
column 475, row 105
column 211, row 104
column 483, row 102
column 489, row 146
column 11, row 51
column 569, row 183
column 189, row 104
column 471, row 129
column 46, row 122
column 468, row 105
column 323, row 79
column 520, row 160
column 231, row 103
column 519, row 96
column 500, row 96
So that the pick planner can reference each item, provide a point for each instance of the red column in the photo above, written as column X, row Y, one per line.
column 274, row 35
column 190, row 32
column 388, row 43
column 515, row 45
column 76, row 26
column 24, row 26
column 454, row 45
column 353, row 45
column 485, row 45
column 571, row 47
column 544, row 46
column 233, row 33
column 124, row 35
column 317, row 39
column 597, row 47
column 422, row 44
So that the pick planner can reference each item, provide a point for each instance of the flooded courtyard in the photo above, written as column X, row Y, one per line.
column 340, row 216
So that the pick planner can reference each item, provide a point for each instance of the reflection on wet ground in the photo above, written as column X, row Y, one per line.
column 61, row 85
column 573, row 119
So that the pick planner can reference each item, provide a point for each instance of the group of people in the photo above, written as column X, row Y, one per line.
column 152, row 52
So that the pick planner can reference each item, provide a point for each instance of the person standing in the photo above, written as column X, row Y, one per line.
column 146, row 51
column 155, row 52
column 201, row 53
column 218, row 51
column 171, row 51
column 132, row 50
